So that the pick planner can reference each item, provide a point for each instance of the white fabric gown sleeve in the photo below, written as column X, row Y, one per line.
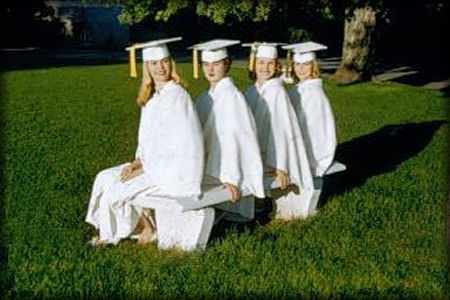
column 317, row 124
column 240, row 159
column 173, row 154
column 141, row 134
column 227, row 111
column 286, row 150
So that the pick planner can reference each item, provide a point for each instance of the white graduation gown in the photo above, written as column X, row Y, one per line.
column 231, row 142
column 316, row 123
column 282, row 146
column 279, row 134
column 170, row 147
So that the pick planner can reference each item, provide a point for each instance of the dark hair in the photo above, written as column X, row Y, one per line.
column 227, row 61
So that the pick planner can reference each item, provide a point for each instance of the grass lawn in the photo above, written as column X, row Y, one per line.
column 379, row 233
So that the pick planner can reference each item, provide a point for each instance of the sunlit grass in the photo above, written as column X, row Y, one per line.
column 382, row 237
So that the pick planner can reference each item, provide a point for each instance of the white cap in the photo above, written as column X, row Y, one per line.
column 155, row 50
column 155, row 53
column 304, row 52
column 265, row 50
column 214, row 50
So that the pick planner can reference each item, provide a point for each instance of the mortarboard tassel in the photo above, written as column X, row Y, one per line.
column 195, row 62
column 251, row 64
column 132, row 59
column 288, row 68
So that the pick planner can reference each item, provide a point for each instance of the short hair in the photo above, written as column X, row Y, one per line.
column 228, row 61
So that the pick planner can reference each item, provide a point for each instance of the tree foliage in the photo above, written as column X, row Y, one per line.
column 223, row 11
column 396, row 24
column 216, row 10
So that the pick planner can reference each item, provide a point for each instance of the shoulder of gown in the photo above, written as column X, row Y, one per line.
column 177, row 92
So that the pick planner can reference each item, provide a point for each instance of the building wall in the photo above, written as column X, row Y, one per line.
column 92, row 24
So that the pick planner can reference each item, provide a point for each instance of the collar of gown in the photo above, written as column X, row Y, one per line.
column 315, row 81
column 223, row 83
column 268, row 83
column 167, row 87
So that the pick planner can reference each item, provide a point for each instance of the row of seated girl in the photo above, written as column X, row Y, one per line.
column 224, row 138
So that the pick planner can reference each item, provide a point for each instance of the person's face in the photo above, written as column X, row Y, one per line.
column 303, row 70
column 215, row 71
column 160, row 69
column 265, row 68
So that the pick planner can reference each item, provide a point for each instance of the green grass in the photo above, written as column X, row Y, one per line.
column 383, row 237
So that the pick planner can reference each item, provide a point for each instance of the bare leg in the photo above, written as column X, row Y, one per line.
column 139, row 227
column 148, row 233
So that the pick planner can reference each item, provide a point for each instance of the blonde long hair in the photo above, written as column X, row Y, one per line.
column 147, row 88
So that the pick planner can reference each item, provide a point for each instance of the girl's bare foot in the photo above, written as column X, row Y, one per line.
column 95, row 241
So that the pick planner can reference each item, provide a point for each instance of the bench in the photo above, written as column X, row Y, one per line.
column 187, row 223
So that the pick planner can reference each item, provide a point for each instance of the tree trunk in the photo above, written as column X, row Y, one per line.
column 357, row 50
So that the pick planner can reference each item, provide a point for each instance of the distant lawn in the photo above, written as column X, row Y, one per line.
column 380, row 232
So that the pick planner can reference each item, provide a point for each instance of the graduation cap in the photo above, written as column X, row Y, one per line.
column 261, row 49
column 153, row 50
column 212, row 51
column 304, row 52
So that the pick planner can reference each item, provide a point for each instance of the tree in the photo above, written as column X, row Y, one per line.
column 359, row 20
column 358, row 46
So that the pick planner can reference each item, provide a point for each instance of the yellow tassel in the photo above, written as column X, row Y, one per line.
column 195, row 63
column 288, row 64
column 251, row 63
column 132, row 58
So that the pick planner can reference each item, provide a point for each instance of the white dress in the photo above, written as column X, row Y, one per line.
column 231, row 142
column 316, row 123
column 170, row 147
column 282, row 145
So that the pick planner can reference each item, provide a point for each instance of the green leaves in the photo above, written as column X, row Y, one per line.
column 172, row 8
column 135, row 14
column 243, row 10
column 218, row 11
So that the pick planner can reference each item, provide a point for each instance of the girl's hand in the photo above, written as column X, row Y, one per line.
column 281, row 176
column 234, row 190
column 134, row 173
column 131, row 170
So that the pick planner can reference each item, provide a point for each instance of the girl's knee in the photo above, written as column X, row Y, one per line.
column 106, row 177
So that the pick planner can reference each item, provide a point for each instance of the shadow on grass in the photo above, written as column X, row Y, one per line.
column 436, row 77
column 53, row 58
column 377, row 153
column 365, row 156
column 32, row 59
column 446, row 92
column 261, row 218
